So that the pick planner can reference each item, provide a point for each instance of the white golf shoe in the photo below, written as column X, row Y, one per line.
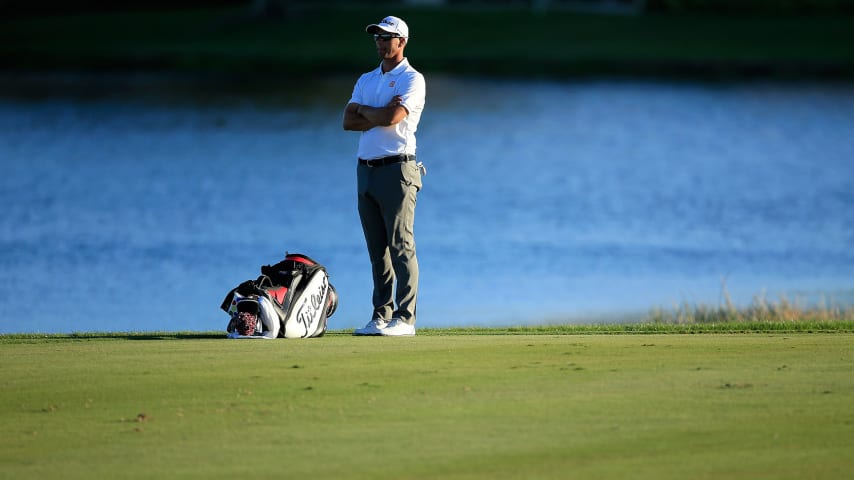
column 374, row 327
column 398, row 328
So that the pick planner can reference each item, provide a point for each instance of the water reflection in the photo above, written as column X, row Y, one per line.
column 143, row 200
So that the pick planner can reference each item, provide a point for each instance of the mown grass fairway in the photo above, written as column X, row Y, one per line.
column 434, row 406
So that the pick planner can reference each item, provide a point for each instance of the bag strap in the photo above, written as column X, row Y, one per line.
column 262, row 281
column 300, row 258
column 289, row 295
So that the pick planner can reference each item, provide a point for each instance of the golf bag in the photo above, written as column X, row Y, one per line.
column 291, row 299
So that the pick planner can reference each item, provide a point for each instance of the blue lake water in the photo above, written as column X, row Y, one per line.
column 132, row 206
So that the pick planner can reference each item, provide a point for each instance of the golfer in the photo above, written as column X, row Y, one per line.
column 386, row 106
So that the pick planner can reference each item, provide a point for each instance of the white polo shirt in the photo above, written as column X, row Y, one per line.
column 376, row 89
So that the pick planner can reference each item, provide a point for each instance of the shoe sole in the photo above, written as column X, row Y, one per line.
column 384, row 334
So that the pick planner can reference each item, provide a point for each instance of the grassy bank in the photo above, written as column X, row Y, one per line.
column 761, row 316
column 500, row 42
column 643, row 328
column 432, row 406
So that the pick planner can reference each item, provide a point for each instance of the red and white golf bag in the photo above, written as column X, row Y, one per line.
column 291, row 299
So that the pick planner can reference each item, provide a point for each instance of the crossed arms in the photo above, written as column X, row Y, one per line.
column 361, row 118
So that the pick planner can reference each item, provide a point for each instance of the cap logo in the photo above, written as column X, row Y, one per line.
column 390, row 24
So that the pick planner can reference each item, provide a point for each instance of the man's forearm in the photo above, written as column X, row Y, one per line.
column 354, row 121
column 362, row 117
column 379, row 116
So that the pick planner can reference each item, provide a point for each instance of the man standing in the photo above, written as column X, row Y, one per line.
column 386, row 106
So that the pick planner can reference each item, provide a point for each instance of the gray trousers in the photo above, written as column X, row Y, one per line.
column 387, row 197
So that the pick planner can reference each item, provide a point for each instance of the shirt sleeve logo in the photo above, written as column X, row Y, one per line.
column 391, row 84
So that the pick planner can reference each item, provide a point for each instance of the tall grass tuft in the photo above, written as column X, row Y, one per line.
column 761, row 310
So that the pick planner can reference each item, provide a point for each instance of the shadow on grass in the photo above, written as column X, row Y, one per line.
column 170, row 336
column 85, row 336
column 149, row 336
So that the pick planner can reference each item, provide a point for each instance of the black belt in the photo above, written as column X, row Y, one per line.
column 382, row 161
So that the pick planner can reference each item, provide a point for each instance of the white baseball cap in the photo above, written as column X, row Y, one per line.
column 391, row 25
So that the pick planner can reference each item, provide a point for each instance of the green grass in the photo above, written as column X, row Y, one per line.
column 456, row 40
column 440, row 405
